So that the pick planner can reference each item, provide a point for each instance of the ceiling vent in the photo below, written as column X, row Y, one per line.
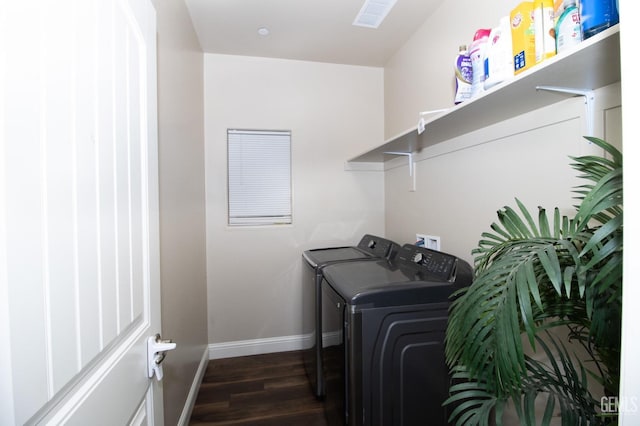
column 373, row 13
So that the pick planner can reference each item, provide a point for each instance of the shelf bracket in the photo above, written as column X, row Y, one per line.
column 412, row 174
column 589, row 99
column 422, row 123
column 406, row 154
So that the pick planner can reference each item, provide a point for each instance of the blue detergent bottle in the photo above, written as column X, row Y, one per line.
column 597, row 15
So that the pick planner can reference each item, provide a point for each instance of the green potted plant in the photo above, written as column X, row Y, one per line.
column 532, row 279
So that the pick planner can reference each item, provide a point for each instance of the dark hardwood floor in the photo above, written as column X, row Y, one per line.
column 262, row 390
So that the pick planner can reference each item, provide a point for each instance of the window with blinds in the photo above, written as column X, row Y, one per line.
column 259, row 177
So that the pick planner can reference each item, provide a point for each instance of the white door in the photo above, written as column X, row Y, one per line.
column 79, row 250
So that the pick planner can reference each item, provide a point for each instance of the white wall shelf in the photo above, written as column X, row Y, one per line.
column 592, row 64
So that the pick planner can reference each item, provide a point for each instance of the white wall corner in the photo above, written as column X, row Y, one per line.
column 185, row 416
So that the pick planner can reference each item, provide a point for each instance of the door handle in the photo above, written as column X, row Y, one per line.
column 156, row 351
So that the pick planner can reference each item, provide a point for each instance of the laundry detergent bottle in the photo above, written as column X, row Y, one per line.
column 477, row 51
column 568, row 28
column 597, row 15
column 498, row 62
column 463, row 75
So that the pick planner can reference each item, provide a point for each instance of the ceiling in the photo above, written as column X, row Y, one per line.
column 310, row 30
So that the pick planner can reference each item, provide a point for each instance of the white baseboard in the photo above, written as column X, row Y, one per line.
column 185, row 416
column 268, row 345
column 259, row 346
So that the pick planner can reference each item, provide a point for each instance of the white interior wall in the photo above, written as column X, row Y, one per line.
column 334, row 112
column 182, row 207
column 461, row 183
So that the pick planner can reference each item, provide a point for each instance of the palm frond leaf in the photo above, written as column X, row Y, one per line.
column 471, row 401
column 532, row 277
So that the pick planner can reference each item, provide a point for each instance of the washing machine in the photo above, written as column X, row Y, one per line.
column 385, row 364
column 370, row 247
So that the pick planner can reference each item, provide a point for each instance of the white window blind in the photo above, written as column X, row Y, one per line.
column 259, row 164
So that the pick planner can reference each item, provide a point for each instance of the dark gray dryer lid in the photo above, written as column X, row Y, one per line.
column 381, row 283
column 320, row 257
column 370, row 246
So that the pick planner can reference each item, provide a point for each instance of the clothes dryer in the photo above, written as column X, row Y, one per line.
column 385, row 364
column 370, row 247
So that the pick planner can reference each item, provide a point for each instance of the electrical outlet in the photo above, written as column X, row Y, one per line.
column 428, row 241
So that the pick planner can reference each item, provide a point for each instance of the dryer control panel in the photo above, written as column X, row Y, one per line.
column 378, row 246
column 433, row 262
